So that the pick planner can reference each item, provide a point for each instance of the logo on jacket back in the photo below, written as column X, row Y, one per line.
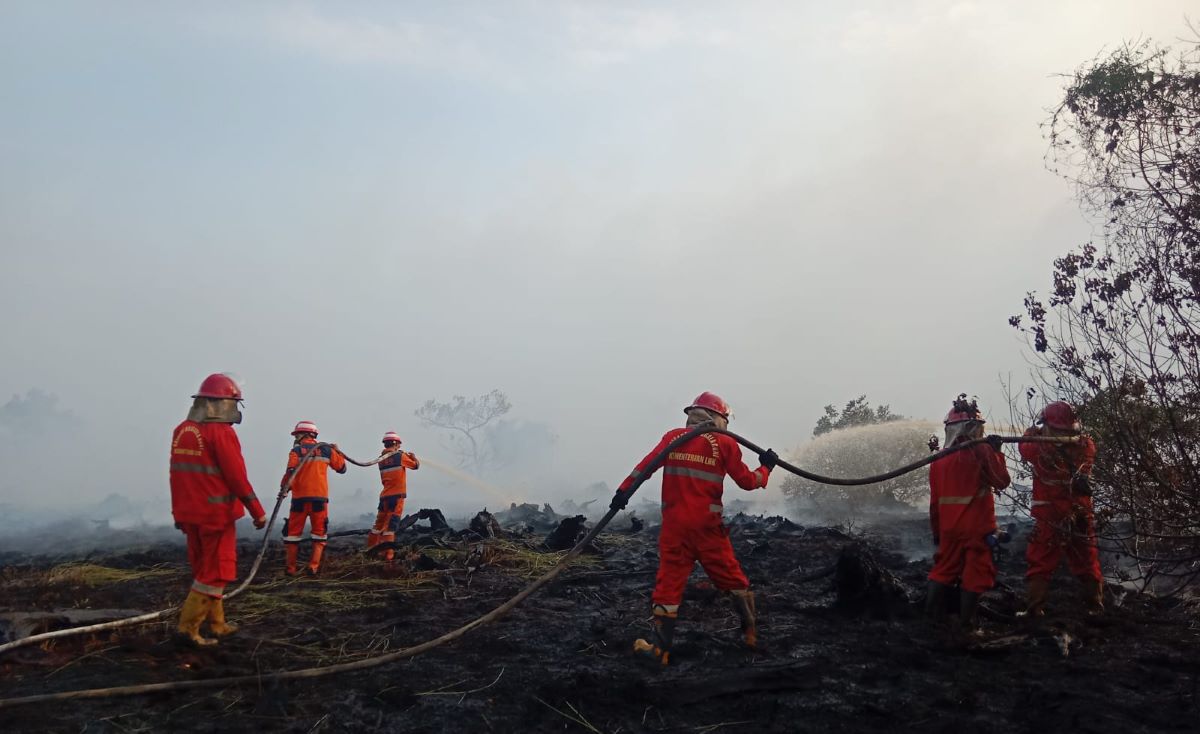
column 700, row 458
column 193, row 431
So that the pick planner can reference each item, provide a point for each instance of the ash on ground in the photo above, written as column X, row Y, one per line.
column 845, row 647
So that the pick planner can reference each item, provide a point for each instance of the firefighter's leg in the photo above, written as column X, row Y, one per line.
column 396, row 510
column 674, row 566
column 1042, row 557
column 1083, row 560
column 195, row 607
column 320, row 535
column 947, row 568
column 292, row 532
column 381, row 519
column 979, row 575
column 225, row 541
column 716, row 556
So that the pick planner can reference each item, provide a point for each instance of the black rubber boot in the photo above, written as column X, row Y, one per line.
column 935, row 601
column 968, row 602
column 664, row 634
column 743, row 604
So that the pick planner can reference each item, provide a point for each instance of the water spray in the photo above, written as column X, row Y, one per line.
column 501, row 495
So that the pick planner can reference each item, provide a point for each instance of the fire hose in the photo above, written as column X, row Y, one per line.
column 152, row 616
column 618, row 503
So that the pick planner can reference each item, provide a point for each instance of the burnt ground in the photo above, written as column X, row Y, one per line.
column 858, row 660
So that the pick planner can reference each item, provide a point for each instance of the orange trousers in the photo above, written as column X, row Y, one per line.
column 678, row 551
column 964, row 557
column 212, row 554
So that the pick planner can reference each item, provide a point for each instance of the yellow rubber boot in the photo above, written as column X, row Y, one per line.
column 216, row 619
column 192, row 615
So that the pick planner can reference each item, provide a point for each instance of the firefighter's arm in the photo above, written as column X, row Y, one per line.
column 337, row 460
column 1030, row 451
column 227, row 450
column 293, row 462
column 410, row 461
column 737, row 469
column 992, row 467
column 639, row 474
column 1089, row 454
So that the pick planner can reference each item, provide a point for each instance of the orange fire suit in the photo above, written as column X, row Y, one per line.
column 209, row 488
column 962, row 513
column 310, row 498
column 393, row 472
column 1064, row 522
column 692, row 529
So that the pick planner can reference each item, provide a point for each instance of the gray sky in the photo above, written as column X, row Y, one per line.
column 600, row 208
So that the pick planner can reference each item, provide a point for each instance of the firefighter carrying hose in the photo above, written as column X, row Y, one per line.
column 692, row 528
column 393, row 472
column 310, row 494
column 1064, row 520
column 208, row 491
column 962, row 514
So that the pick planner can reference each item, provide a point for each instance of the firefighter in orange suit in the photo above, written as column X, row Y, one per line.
column 692, row 527
column 310, row 494
column 962, row 513
column 393, row 472
column 209, row 490
column 1064, row 519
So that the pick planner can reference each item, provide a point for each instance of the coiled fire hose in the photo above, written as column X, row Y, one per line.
column 152, row 616
column 617, row 505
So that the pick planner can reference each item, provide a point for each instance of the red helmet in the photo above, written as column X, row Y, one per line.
column 305, row 427
column 391, row 436
column 219, row 386
column 959, row 416
column 1062, row 416
column 710, row 401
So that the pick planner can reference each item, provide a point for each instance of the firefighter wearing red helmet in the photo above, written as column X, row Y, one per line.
column 1064, row 520
column 393, row 472
column 209, row 490
column 692, row 527
column 962, row 514
column 310, row 494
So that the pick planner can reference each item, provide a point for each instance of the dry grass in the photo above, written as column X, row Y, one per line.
column 90, row 574
column 526, row 562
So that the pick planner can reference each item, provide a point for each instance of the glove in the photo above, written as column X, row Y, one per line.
column 995, row 442
column 260, row 522
column 934, row 445
column 768, row 458
column 619, row 500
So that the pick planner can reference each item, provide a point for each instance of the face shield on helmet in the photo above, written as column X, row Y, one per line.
column 964, row 422
column 217, row 400
column 213, row 410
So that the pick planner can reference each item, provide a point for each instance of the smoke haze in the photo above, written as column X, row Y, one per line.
column 600, row 209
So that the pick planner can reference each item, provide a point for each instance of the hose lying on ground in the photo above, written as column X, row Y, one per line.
column 152, row 616
column 507, row 606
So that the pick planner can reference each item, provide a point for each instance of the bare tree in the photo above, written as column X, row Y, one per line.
column 463, row 418
column 1119, row 334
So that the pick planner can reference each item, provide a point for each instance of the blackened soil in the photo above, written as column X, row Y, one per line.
column 861, row 660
